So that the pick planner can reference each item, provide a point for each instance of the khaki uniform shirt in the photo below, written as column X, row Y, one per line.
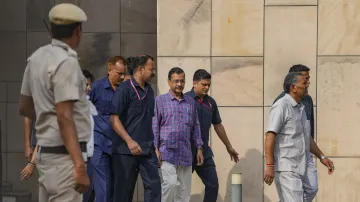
column 53, row 75
column 288, row 120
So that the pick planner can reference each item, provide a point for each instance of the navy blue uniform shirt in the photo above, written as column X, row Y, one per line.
column 135, row 115
column 208, row 113
column 101, row 96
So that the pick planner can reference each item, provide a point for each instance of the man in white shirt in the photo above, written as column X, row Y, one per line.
column 288, row 141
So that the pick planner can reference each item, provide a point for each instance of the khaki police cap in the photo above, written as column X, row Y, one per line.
column 66, row 13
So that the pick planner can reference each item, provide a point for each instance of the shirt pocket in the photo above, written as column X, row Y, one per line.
column 296, row 126
column 135, row 107
column 103, row 107
column 186, row 117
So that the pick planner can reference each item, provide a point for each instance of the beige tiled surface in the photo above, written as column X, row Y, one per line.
column 290, row 38
column 244, row 127
column 237, row 81
column 184, row 27
column 343, row 184
column 291, row 2
column 270, row 193
column 197, row 189
column 339, row 111
column 339, row 27
column 237, row 28
column 188, row 64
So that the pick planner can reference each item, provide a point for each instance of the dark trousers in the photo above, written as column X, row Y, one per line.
column 103, row 175
column 88, row 196
column 208, row 175
column 127, row 168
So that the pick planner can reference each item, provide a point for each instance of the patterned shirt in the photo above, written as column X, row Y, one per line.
column 175, row 124
column 309, row 109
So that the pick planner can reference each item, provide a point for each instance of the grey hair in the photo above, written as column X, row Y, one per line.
column 290, row 79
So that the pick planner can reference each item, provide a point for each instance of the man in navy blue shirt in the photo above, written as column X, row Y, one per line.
column 101, row 96
column 133, row 148
column 208, row 114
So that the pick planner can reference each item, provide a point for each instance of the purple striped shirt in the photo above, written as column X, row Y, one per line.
column 175, row 124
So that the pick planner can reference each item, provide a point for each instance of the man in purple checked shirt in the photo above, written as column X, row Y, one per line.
column 175, row 124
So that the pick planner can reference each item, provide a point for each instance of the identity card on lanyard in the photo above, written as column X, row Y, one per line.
column 137, row 93
column 203, row 104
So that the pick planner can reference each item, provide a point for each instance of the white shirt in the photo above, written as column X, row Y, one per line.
column 287, row 119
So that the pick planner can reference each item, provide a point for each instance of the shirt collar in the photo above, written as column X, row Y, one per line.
column 63, row 45
column 107, row 83
column 194, row 95
column 172, row 97
column 293, row 102
column 137, row 84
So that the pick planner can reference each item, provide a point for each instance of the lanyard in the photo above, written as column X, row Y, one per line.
column 132, row 84
column 203, row 104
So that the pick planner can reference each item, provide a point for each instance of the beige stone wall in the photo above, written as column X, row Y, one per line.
column 248, row 46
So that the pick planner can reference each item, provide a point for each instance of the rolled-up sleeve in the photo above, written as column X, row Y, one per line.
column 156, row 123
column 216, row 119
column 196, row 132
column 119, row 101
column 276, row 119
column 25, row 86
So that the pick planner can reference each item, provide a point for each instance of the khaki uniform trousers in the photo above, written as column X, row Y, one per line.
column 56, row 178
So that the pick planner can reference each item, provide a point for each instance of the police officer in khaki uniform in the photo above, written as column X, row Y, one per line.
column 53, row 93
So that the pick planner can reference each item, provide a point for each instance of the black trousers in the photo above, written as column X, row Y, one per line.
column 126, row 170
column 208, row 175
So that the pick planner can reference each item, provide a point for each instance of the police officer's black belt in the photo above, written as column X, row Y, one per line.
column 60, row 149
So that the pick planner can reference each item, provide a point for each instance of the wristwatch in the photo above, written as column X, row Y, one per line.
column 200, row 148
column 323, row 157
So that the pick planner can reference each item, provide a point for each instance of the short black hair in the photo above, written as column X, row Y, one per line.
column 140, row 61
column 201, row 74
column 175, row 70
column 88, row 74
column 63, row 31
column 299, row 68
column 290, row 79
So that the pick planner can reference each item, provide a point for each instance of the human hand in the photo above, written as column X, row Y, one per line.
column 27, row 172
column 199, row 157
column 329, row 164
column 269, row 174
column 158, row 155
column 234, row 156
column 28, row 153
column 134, row 147
column 82, row 181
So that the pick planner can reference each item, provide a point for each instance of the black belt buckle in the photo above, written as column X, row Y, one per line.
column 60, row 149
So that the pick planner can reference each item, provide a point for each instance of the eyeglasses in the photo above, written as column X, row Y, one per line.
column 178, row 81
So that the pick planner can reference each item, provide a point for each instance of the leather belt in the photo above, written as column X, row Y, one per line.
column 60, row 149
